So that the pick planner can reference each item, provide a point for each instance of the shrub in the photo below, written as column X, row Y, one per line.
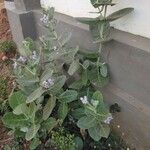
column 8, row 46
column 49, row 94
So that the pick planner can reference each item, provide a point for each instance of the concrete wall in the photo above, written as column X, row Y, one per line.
column 128, row 57
column 136, row 23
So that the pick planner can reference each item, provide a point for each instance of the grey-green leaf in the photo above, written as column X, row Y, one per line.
column 49, row 107
column 49, row 124
column 35, row 95
column 86, row 122
column 97, row 96
column 59, row 83
column 103, row 70
column 12, row 120
column 21, row 109
column 62, row 111
column 73, row 67
column 34, row 143
column 16, row 99
column 99, row 131
column 78, row 143
column 68, row 96
column 46, row 75
column 32, row 132
column 120, row 13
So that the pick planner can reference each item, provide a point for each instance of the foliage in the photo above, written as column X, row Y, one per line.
column 100, row 26
column 48, row 92
column 8, row 46
column 63, row 140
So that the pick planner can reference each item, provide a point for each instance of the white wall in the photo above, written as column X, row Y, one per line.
column 137, row 23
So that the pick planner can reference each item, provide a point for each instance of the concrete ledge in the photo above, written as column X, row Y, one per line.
column 21, row 23
column 27, row 5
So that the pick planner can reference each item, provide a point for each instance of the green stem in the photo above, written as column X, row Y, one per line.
column 105, row 11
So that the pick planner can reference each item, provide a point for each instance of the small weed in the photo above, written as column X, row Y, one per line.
column 63, row 140
column 7, row 46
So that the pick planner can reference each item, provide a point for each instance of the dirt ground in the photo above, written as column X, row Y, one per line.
column 5, row 33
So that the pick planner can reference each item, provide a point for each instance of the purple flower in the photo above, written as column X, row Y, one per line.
column 48, row 83
column 108, row 119
column 22, row 59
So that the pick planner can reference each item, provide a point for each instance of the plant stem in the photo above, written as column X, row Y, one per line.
column 105, row 11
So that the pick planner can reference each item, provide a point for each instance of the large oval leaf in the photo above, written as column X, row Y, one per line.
column 49, row 107
column 59, row 83
column 12, row 120
column 16, row 99
column 99, row 131
column 62, row 111
column 49, row 124
column 120, row 13
column 86, row 122
column 32, row 132
column 36, row 94
column 73, row 67
column 68, row 96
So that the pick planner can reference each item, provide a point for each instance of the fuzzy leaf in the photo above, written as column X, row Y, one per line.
column 86, row 122
column 78, row 113
column 32, row 132
column 120, row 13
column 12, row 120
column 97, row 96
column 35, row 143
column 103, row 70
column 99, row 131
column 59, row 83
column 62, row 111
column 73, row 67
column 16, row 99
column 78, row 143
column 49, row 107
column 46, row 75
column 84, row 77
column 21, row 109
column 76, row 85
column 35, row 95
column 49, row 124
column 68, row 96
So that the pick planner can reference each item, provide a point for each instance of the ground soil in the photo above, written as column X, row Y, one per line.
column 5, row 33
column 5, row 69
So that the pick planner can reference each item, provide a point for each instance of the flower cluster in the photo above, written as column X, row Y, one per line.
column 45, row 19
column 34, row 55
column 84, row 100
column 108, row 119
column 22, row 59
column 48, row 83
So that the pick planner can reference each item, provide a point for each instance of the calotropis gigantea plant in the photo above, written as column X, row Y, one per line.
column 56, row 83
column 100, row 26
